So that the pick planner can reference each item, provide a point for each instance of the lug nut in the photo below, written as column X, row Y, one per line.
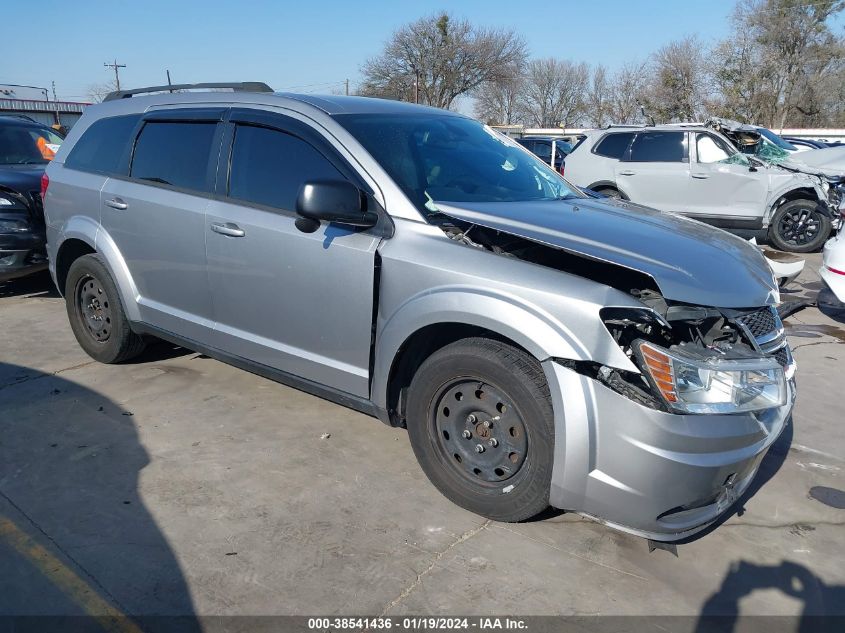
column 494, row 442
column 487, row 424
column 471, row 418
column 467, row 435
column 479, row 448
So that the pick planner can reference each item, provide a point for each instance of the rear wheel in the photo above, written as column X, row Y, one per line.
column 610, row 192
column 798, row 226
column 480, row 423
column 95, row 313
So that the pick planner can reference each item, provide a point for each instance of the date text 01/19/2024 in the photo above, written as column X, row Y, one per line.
column 415, row 623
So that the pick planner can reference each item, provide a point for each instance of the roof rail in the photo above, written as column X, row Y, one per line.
column 610, row 125
column 240, row 86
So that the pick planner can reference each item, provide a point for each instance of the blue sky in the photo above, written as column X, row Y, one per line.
column 309, row 46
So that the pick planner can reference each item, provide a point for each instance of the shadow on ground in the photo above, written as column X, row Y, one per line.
column 822, row 605
column 37, row 285
column 75, row 535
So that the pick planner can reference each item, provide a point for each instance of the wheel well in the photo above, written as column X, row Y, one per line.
column 804, row 193
column 606, row 184
column 416, row 349
column 69, row 252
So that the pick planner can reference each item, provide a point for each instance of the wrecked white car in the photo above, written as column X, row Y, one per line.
column 696, row 171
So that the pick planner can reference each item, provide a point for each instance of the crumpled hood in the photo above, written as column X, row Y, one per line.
column 828, row 162
column 691, row 262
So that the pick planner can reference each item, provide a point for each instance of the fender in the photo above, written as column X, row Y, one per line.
column 90, row 231
column 539, row 332
column 780, row 192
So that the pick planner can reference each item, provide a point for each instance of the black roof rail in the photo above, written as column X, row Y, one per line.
column 240, row 86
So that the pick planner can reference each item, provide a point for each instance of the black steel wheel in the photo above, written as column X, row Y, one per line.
column 799, row 227
column 480, row 429
column 93, row 307
column 95, row 313
column 480, row 422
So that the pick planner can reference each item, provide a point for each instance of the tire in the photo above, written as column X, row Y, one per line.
column 798, row 227
column 610, row 192
column 95, row 313
column 509, row 480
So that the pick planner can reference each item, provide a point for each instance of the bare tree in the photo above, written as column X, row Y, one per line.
column 499, row 103
column 783, row 63
column 97, row 92
column 627, row 91
column 438, row 58
column 680, row 81
column 553, row 92
column 598, row 99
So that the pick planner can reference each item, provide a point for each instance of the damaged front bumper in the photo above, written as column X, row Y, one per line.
column 659, row 475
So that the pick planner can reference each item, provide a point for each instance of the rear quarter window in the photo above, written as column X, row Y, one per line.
column 613, row 145
column 103, row 145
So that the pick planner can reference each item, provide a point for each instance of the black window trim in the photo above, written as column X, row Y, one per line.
column 626, row 157
column 204, row 116
column 596, row 145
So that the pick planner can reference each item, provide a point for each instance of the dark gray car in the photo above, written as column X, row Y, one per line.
column 541, row 347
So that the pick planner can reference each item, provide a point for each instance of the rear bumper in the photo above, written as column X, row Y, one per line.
column 21, row 254
column 654, row 474
column 834, row 258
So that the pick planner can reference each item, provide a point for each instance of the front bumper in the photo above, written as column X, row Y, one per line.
column 21, row 254
column 834, row 258
column 658, row 475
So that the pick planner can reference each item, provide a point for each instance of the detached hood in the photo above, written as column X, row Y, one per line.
column 689, row 261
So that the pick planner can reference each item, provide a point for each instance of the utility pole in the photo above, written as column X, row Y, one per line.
column 115, row 65
column 416, row 86
column 347, row 87
column 56, row 103
column 168, row 79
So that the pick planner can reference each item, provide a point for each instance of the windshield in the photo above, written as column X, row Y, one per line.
column 27, row 144
column 442, row 158
column 777, row 140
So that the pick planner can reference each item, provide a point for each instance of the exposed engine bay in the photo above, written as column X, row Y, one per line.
column 704, row 333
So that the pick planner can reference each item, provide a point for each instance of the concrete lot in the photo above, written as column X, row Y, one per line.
column 177, row 484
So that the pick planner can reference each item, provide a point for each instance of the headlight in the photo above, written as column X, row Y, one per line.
column 13, row 226
column 713, row 385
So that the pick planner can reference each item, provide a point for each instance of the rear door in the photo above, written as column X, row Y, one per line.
column 726, row 194
column 156, row 217
column 655, row 170
column 301, row 303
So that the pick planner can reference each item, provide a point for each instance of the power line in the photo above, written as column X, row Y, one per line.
column 116, row 66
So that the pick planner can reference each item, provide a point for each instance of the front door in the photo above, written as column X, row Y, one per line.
column 301, row 303
column 724, row 192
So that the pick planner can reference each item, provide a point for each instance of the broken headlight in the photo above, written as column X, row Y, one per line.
column 703, row 383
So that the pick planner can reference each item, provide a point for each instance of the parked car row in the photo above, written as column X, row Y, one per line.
column 541, row 345
column 25, row 149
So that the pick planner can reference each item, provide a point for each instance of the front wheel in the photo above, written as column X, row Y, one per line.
column 799, row 227
column 481, row 425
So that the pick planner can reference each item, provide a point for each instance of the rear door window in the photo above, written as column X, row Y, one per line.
column 269, row 167
column 659, row 147
column 103, row 145
column 613, row 145
column 174, row 153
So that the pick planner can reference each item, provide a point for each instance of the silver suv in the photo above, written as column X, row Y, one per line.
column 694, row 170
column 541, row 347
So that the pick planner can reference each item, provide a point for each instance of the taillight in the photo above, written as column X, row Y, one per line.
column 834, row 270
column 562, row 169
column 45, row 182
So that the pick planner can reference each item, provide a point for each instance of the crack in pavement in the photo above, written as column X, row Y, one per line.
column 439, row 555
column 44, row 375
column 800, row 525
column 579, row 556
column 797, row 347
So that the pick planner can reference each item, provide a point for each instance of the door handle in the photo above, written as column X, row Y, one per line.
column 627, row 172
column 116, row 203
column 232, row 230
column 701, row 176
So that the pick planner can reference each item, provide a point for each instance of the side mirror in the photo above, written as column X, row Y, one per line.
column 336, row 201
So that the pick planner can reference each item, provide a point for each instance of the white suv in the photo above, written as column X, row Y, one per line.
column 695, row 171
